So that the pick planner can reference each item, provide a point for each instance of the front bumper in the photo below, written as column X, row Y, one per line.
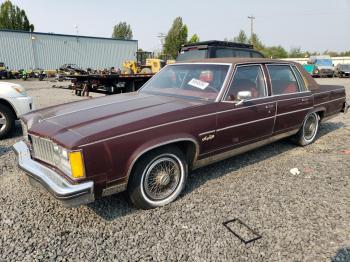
column 71, row 195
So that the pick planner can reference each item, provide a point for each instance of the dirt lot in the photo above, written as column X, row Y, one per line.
column 303, row 217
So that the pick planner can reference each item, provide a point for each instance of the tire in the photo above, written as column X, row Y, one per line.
column 7, row 121
column 308, row 132
column 142, row 194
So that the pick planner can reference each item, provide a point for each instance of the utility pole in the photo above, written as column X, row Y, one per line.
column 251, row 25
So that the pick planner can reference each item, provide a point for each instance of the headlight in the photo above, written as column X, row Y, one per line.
column 70, row 162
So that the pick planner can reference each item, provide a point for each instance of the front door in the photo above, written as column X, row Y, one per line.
column 246, row 113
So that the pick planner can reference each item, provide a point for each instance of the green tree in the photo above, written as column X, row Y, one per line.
column 255, row 41
column 14, row 18
column 275, row 52
column 122, row 31
column 241, row 38
column 194, row 39
column 176, row 37
column 295, row 52
column 330, row 53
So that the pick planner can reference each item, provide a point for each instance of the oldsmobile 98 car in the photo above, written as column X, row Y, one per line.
column 187, row 116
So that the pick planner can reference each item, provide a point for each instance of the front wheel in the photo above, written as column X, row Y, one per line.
column 7, row 121
column 158, row 178
column 308, row 131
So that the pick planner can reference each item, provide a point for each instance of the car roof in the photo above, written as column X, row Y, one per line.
column 247, row 60
column 237, row 60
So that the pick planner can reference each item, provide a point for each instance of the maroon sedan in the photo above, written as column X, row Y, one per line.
column 187, row 116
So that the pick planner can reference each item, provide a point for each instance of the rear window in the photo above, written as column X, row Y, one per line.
column 192, row 55
column 224, row 52
column 257, row 55
column 242, row 53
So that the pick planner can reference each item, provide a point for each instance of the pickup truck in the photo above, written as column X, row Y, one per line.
column 187, row 116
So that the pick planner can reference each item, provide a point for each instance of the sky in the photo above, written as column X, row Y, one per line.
column 313, row 25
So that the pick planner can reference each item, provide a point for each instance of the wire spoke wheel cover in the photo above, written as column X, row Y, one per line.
column 162, row 177
column 2, row 122
column 310, row 127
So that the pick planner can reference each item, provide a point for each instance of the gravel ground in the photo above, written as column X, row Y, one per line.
column 303, row 217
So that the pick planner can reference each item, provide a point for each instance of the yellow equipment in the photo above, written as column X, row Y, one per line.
column 145, row 64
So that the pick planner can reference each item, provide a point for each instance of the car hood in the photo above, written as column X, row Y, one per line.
column 86, row 121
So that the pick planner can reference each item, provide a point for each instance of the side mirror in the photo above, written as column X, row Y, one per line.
column 244, row 95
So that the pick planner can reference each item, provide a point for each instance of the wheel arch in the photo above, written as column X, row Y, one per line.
column 9, row 105
column 188, row 145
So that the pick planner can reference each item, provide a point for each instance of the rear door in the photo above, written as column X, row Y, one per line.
column 293, row 100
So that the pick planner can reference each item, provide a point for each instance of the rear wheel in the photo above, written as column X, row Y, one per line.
column 308, row 131
column 158, row 178
column 7, row 121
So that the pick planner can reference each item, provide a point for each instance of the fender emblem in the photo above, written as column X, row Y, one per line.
column 207, row 138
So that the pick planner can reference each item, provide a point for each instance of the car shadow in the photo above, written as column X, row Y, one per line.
column 115, row 206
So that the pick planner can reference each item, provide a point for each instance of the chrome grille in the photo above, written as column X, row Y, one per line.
column 43, row 149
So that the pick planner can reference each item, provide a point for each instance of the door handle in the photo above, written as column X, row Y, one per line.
column 269, row 106
column 304, row 99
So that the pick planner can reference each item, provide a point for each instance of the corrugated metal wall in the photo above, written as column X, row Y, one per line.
column 49, row 51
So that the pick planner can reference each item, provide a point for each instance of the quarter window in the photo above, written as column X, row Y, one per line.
column 247, row 78
column 300, row 79
column 283, row 80
column 242, row 53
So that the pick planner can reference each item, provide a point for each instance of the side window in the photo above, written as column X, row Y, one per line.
column 300, row 79
column 242, row 53
column 224, row 52
column 283, row 80
column 247, row 79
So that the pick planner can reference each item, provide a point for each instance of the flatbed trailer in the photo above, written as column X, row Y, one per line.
column 108, row 83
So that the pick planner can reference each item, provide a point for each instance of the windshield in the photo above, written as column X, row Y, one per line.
column 193, row 54
column 198, row 81
column 324, row 62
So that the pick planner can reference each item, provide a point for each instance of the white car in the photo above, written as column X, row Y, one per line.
column 14, row 102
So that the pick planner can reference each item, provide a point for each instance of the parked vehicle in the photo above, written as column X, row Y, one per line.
column 145, row 63
column 4, row 72
column 14, row 102
column 187, row 116
column 320, row 66
column 71, row 69
column 342, row 70
column 216, row 49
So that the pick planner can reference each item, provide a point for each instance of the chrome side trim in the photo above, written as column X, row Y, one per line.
column 163, row 144
column 70, row 194
column 330, row 101
column 207, row 133
column 245, row 123
column 287, row 99
column 243, row 149
column 148, row 128
column 295, row 111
